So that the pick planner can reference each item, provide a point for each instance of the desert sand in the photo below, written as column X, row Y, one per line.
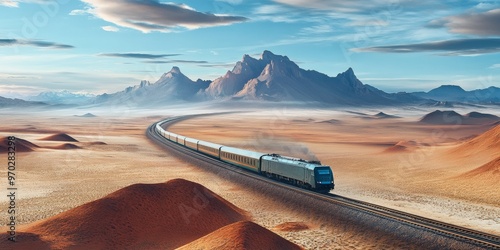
column 399, row 162
column 241, row 235
column 140, row 216
column 430, row 177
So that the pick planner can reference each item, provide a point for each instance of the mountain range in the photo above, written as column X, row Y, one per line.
column 61, row 97
column 452, row 93
column 9, row 102
column 270, row 78
column 172, row 86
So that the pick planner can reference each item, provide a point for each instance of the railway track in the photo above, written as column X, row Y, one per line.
column 462, row 234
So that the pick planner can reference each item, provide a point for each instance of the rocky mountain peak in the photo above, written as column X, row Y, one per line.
column 175, row 70
column 348, row 74
column 268, row 56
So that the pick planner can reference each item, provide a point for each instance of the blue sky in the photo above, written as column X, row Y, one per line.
column 97, row 46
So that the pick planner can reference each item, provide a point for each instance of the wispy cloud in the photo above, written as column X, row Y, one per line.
column 9, row 3
column 217, row 65
column 449, row 47
column 15, row 3
column 35, row 43
column 230, row 1
column 353, row 6
column 162, row 17
column 138, row 55
column 483, row 24
column 175, row 61
column 495, row 66
column 110, row 28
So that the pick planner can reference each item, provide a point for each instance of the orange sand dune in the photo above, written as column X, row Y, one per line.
column 66, row 146
column 292, row 226
column 241, row 235
column 140, row 216
column 21, row 145
column 403, row 146
column 59, row 137
column 491, row 168
column 488, row 142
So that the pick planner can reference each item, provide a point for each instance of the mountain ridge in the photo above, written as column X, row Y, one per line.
column 454, row 93
column 270, row 78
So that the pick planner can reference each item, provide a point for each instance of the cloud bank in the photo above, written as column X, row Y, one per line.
column 449, row 47
column 138, row 55
column 482, row 24
column 151, row 15
column 35, row 43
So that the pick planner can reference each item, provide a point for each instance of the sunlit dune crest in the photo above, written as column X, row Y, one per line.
column 403, row 146
column 490, row 169
column 59, row 137
column 65, row 146
column 141, row 216
column 21, row 145
column 241, row 235
column 292, row 226
column 487, row 142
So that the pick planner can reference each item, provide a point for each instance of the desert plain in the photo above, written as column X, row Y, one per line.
column 448, row 172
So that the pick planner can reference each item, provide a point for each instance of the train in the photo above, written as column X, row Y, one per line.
column 305, row 174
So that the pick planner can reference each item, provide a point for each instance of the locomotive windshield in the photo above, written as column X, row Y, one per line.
column 323, row 175
column 323, row 171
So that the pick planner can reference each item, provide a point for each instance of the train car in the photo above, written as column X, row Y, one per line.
column 298, row 172
column 243, row 158
column 173, row 137
column 191, row 143
column 209, row 148
column 160, row 130
column 181, row 140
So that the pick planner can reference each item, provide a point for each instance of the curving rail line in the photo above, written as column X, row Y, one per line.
column 473, row 237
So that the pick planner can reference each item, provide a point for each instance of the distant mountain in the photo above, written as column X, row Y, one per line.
column 452, row 93
column 269, row 78
column 234, row 81
column 172, row 86
column 8, row 102
column 451, row 117
column 62, row 97
column 277, row 78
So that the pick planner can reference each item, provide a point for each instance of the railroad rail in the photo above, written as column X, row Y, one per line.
column 473, row 237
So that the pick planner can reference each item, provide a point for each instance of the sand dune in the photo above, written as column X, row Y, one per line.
column 65, row 146
column 382, row 115
column 403, row 146
column 87, row 115
column 488, row 142
column 241, row 235
column 140, row 216
column 292, row 227
column 21, row 145
column 59, row 137
column 439, row 117
column 490, row 169
column 331, row 121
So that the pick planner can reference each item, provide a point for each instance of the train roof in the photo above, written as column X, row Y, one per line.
column 248, row 153
column 293, row 161
column 209, row 144
column 191, row 140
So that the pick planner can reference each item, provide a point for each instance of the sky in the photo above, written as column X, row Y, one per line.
column 103, row 46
